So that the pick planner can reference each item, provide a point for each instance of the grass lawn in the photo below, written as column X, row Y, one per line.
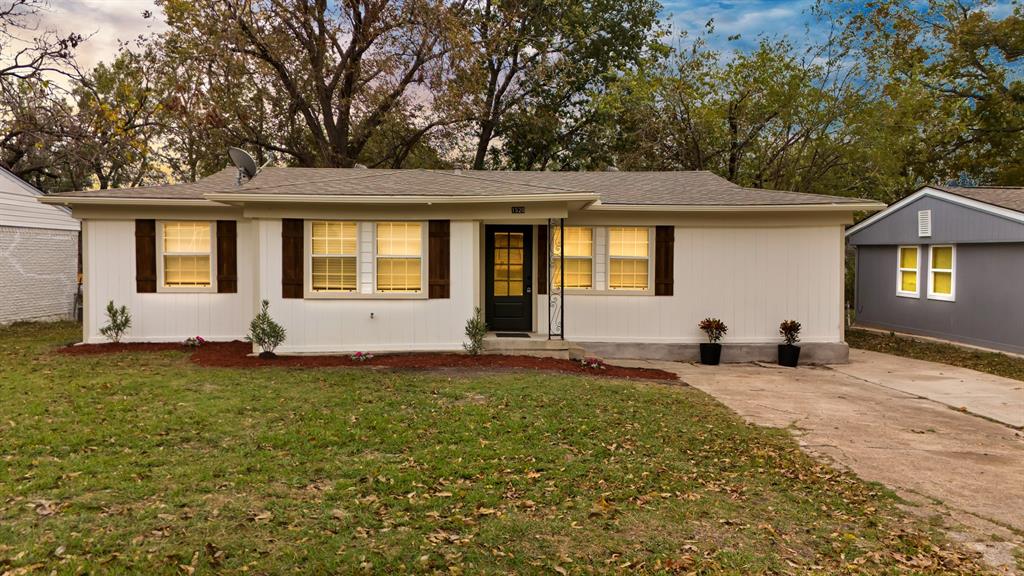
column 990, row 362
column 146, row 463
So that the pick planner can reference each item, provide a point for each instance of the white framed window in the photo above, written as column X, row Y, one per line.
column 579, row 257
column 333, row 256
column 399, row 257
column 942, row 273
column 908, row 271
column 629, row 256
column 186, row 262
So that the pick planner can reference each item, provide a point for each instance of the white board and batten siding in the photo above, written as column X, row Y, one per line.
column 397, row 324
column 752, row 278
column 109, row 268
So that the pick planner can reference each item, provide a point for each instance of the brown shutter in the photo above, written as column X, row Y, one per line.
column 439, row 259
column 291, row 258
column 542, row 259
column 664, row 240
column 227, row 259
column 145, row 256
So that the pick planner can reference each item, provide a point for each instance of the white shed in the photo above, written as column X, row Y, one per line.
column 38, row 255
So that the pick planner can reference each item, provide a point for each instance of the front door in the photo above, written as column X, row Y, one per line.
column 509, row 290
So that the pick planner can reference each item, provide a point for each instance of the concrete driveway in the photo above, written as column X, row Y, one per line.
column 874, row 417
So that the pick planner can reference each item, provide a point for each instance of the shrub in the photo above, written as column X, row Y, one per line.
column 264, row 332
column 593, row 363
column 476, row 329
column 361, row 356
column 714, row 328
column 119, row 320
column 790, row 331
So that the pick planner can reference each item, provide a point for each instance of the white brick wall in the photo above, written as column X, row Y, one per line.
column 38, row 273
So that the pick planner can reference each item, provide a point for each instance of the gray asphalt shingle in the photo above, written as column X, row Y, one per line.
column 689, row 188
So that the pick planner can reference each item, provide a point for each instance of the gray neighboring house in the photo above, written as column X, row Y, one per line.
column 38, row 255
column 945, row 262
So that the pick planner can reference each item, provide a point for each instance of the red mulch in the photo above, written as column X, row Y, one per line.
column 236, row 355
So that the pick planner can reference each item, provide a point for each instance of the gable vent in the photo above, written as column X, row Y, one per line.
column 924, row 223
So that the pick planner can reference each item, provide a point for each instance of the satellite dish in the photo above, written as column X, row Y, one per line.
column 244, row 162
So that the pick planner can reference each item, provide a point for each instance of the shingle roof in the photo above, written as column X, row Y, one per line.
column 689, row 188
column 1002, row 196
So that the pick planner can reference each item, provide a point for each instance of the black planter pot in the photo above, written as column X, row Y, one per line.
column 268, row 355
column 710, row 354
column 789, row 355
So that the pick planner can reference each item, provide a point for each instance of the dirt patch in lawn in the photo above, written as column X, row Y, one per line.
column 237, row 355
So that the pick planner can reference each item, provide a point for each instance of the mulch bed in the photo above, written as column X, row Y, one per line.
column 236, row 355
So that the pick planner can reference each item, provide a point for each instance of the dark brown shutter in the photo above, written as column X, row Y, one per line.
column 145, row 256
column 542, row 259
column 291, row 258
column 439, row 259
column 664, row 240
column 227, row 256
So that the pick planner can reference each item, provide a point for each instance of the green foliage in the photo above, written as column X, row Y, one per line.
column 790, row 331
column 476, row 330
column 264, row 331
column 119, row 320
column 713, row 328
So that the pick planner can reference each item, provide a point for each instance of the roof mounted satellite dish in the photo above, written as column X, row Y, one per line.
column 244, row 162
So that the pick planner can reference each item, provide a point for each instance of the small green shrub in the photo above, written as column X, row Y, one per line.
column 119, row 320
column 714, row 328
column 264, row 332
column 790, row 331
column 476, row 329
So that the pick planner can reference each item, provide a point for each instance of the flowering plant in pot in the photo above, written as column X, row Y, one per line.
column 711, row 351
column 789, row 353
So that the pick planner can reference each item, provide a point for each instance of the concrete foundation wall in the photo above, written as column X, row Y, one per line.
column 810, row 353
column 38, row 273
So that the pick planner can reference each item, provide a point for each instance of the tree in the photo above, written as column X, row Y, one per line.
column 33, row 113
column 958, row 58
column 540, row 56
column 117, row 124
column 317, row 80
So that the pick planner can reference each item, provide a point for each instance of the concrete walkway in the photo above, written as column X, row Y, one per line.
column 994, row 397
column 967, row 471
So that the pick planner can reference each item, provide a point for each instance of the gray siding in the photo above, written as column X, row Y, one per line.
column 951, row 224
column 38, row 273
column 989, row 306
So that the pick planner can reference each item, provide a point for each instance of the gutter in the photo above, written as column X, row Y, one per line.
column 848, row 207
column 108, row 201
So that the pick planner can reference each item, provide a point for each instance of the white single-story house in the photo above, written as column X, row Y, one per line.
column 38, row 255
column 397, row 260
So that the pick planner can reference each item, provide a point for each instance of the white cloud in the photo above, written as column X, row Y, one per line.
column 106, row 22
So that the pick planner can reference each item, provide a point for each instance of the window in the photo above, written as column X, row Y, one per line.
column 333, row 254
column 941, row 282
column 186, row 259
column 629, row 255
column 579, row 257
column 906, row 281
column 399, row 257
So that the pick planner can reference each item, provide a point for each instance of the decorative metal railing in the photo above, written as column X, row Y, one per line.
column 556, row 290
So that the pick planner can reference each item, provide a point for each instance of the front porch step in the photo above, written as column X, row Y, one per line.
column 535, row 345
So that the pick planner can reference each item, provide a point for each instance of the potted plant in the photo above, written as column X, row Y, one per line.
column 266, row 333
column 789, row 353
column 711, row 351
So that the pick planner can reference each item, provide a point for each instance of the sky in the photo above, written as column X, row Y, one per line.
column 110, row 21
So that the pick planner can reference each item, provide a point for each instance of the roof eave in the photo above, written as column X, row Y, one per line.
column 845, row 207
column 237, row 198
column 124, row 201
